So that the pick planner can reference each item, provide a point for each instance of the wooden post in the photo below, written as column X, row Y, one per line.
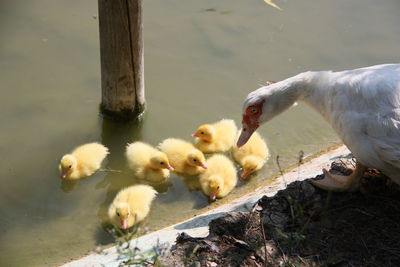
column 121, row 53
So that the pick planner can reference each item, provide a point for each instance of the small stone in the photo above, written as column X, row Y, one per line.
column 212, row 264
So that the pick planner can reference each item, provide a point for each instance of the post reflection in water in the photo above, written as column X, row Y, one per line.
column 116, row 135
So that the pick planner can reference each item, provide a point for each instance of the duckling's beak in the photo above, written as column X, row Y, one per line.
column 244, row 175
column 63, row 175
column 123, row 224
column 195, row 135
column 203, row 165
column 169, row 167
column 245, row 134
column 213, row 196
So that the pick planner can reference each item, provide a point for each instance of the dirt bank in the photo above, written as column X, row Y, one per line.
column 303, row 226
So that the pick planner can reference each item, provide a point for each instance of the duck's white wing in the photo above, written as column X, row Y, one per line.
column 383, row 124
column 365, row 109
column 384, row 135
column 383, row 127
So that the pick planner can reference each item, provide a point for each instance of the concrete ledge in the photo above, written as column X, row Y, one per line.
column 198, row 226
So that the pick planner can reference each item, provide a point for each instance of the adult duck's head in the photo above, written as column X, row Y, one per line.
column 264, row 104
column 253, row 111
column 251, row 120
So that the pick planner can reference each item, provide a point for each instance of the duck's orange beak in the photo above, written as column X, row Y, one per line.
column 245, row 134
column 123, row 224
column 195, row 135
column 213, row 196
column 169, row 167
column 63, row 175
column 244, row 175
column 203, row 165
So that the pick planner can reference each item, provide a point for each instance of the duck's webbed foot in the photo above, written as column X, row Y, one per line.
column 335, row 182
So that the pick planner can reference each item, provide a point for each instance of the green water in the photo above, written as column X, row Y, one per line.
column 199, row 66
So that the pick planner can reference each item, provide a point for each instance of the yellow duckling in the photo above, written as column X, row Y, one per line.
column 131, row 205
column 252, row 155
column 216, row 137
column 183, row 156
column 147, row 162
column 83, row 161
column 220, row 177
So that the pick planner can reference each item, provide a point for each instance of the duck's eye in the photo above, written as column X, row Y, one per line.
column 70, row 166
column 118, row 214
column 201, row 132
column 195, row 160
column 217, row 187
column 253, row 110
column 162, row 163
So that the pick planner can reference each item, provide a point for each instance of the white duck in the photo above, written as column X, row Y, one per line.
column 362, row 105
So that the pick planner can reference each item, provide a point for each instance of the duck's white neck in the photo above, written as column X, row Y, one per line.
column 316, row 86
column 310, row 87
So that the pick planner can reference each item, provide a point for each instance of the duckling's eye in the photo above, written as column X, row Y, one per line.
column 195, row 160
column 162, row 163
column 118, row 214
column 201, row 132
column 217, row 187
column 70, row 166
